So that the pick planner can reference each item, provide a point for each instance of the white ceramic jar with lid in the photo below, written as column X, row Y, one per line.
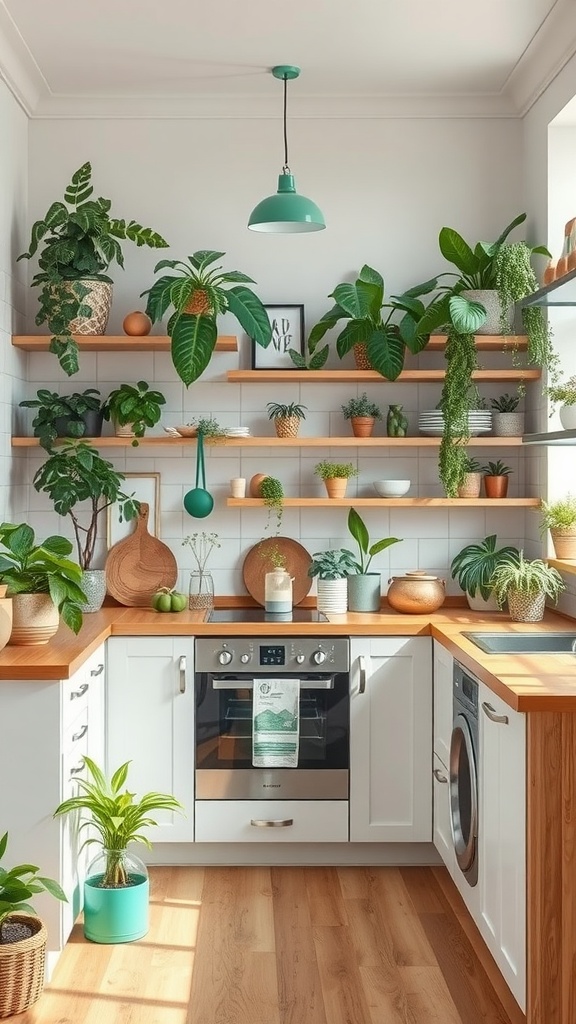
column 278, row 591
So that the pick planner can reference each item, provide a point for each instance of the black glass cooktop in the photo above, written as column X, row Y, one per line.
column 259, row 615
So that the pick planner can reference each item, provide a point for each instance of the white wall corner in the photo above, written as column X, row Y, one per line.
column 544, row 58
column 17, row 65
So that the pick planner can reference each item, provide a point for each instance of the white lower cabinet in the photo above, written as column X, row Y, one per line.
column 150, row 722
column 277, row 821
column 502, row 837
column 391, row 739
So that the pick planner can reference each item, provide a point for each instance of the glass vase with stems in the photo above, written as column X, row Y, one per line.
column 201, row 587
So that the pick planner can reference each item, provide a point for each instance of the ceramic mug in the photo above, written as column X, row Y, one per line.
column 238, row 487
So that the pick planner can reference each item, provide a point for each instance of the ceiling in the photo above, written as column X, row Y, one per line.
column 137, row 51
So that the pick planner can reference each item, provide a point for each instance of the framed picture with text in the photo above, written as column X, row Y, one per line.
column 287, row 332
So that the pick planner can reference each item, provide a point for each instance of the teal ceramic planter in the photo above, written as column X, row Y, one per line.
column 364, row 592
column 116, row 914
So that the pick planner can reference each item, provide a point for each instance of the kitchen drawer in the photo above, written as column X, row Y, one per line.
column 312, row 821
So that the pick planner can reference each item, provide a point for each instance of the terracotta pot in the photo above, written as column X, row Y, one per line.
column 564, row 542
column 572, row 260
column 362, row 426
column 496, row 486
column 416, row 593
column 35, row 620
column 336, row 486
column 255, row 485
column 470, row 486
column 562, row 267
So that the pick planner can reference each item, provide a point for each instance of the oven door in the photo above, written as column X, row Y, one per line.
column 224, row 740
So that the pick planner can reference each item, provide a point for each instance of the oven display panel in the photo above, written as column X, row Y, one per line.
column 271, row 655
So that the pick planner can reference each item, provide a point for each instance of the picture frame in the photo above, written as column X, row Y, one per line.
column 146, row 487
column 287, row 321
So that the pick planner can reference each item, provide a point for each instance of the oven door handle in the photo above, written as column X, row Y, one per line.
column 248, row 684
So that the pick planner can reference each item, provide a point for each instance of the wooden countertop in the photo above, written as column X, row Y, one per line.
column 525, row 682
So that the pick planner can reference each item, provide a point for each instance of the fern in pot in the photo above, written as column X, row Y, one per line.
column 525, row 584
column 331, row 569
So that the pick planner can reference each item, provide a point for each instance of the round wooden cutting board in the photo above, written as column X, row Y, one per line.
column 257, row 564
column 139, row 565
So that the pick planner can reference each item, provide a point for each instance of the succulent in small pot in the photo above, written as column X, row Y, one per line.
column 286, row 418
column 560, row 518
column 474, row 567
column 472, row 479
column 77, row 415
column 525, row 584
column 506, row 420
column 496, row 479
column 362, row 413
column 134, row 407
column 331, row 569
column 335, row 476
column 565, row 396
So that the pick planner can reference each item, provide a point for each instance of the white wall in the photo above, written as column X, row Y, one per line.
column 386, row 188
column 13, row 229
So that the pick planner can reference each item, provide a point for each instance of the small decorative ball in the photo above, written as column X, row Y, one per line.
column 137, row 324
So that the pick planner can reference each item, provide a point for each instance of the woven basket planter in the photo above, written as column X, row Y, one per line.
column 287, row 426
column 361, row 358
column 99, row 298
column 526, row 607
column 22, row 967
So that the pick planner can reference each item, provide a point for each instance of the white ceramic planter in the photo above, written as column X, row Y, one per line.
column 489, row 299
column 333, row 596
column 35, row 619
column 479, row 604
column 568, row 417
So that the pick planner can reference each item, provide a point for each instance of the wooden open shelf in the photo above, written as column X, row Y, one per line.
column 366, row 376
column 387, row 502
column 484, row 343
column 287, row 442
column 115, row 343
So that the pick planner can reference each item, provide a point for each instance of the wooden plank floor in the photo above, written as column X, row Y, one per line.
column 286, row 945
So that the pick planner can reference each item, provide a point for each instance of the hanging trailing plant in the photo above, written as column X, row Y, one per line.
column 272, row 494
column 459, row 395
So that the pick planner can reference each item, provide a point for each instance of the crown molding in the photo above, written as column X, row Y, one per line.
column 18, row 69
column 544, row 58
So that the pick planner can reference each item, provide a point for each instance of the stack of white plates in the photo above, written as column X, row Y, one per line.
column 237, row 432
column 431, row 422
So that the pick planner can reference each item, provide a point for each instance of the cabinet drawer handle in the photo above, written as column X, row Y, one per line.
column 182, row 669
column 491, row 714
column 271, row 823
column 438, row 776
column 78, row 735
column 97, row 671
column 362, row 668
column 79, row 692
column 76, row 771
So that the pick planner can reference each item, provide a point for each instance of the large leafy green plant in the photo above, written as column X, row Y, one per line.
column 29, row 568
column 115, row 815
column 53, row 408
column 371, row 322
column 366, row 550
column 80, row 241
column 474, row 565
column 334, row 564
column 21, row 883
column 527, row 577
column 76, row 473
column 136, row 404
column 198, row 292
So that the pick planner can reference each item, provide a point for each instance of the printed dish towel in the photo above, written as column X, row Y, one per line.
column 275, row 723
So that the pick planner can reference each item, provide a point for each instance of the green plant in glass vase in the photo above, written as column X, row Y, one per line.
column 80, row 240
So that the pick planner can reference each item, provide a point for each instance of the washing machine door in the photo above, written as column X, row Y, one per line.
column 463, row 794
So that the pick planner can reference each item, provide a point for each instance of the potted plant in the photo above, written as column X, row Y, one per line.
column 133, row 407
column 77, row 415
column 378, row 331
column 565, row 396
column 42, row 582
column 474, row 567
column 80, row 242
column 506, row 420
column 75, row 474
column 201, row 586
column 526, row 584
column 496, row 476
column 198, row 294
column 22, row 934
column 362, row 414
column 364, row 586
column 471, row 480
column 286, row 418
column 272, row 494
column 560, row 518
column 331, row 569
column 335, row 476
column 116, row 889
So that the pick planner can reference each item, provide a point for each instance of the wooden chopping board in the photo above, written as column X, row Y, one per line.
column 296, row 561
column 138, row 565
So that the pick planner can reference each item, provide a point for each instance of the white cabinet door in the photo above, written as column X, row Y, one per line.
column 442, row 833
column 150, row 722
column 443, row 713
column 391, row 739
column 502, row 837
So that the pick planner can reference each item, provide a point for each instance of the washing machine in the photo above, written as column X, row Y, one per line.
column 464, row 773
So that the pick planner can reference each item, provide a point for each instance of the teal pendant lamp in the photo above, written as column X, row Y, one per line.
column 287, row 211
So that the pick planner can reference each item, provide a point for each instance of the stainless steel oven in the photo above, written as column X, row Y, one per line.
column 226, row 669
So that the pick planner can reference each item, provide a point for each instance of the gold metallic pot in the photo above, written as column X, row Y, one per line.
column 416, row 593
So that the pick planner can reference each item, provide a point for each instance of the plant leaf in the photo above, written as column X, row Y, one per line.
column 250, row 313
column 357, row 528
column 385, row 350
column 193, row 341
column 457, row 251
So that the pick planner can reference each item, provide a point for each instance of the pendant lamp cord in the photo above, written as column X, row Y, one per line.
column 285, row 169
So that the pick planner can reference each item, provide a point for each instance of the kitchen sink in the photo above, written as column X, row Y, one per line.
column 524, row 643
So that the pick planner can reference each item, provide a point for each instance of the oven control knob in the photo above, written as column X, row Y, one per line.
column 319, row 657
column 300, row 659
column 244, row 658
column 225, row 657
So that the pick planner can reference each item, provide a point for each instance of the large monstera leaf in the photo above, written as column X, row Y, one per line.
column 250, row 313
column 385, row 350
column 193, row 341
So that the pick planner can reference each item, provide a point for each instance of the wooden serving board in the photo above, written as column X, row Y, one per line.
column 138, row 565
column 296, row 559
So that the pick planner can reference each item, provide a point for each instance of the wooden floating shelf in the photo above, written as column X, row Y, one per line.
column 396, row 502
column 115, row 343
column 484, row 343
column 366, row 376
column 287, row 442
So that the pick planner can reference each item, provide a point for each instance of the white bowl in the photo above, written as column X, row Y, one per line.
column 391, row 488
